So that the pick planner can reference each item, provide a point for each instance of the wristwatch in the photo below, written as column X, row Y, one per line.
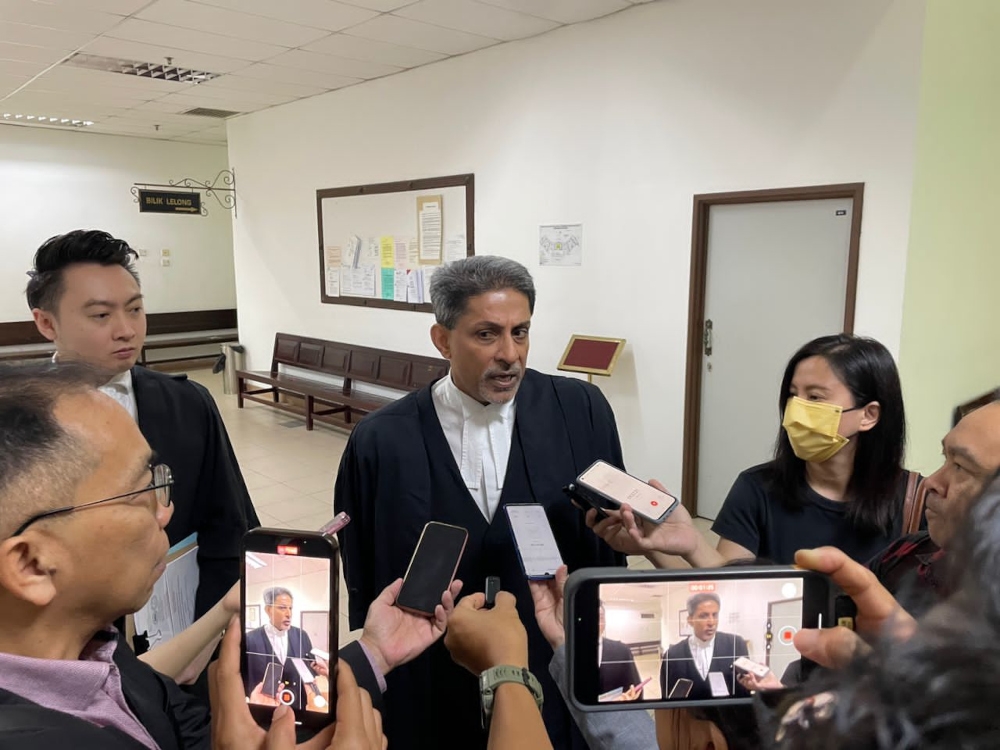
column 496, row 676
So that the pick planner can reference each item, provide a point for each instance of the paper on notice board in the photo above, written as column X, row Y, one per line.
column 399, row 285
column 388, row 283
column 415, row 286
column 353, row 255
column 388, row 249
column 560, row 245
column 357, row 282
column 402, row 253
column 454, row 248
column 427, row 274
column 414, row 255
column 369, row 253
column 171, row 607
column 429, row 226
column 331, row 268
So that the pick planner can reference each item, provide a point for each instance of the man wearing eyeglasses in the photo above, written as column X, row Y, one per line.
column 85, row 297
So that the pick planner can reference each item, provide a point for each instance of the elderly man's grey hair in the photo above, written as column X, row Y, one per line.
column 453, row 285
column 274, row 592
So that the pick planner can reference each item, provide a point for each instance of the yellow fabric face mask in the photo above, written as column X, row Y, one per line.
column 812, row 428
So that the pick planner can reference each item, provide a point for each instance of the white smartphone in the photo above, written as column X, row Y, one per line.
column 533, row 538
column 757, row 670
column 614, row 485
column 717, row 683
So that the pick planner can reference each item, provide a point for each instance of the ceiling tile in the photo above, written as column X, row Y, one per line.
column 21, row 68
column 293, row 75
column 230, row 23
column 396, row 30
column 137, row 30
column 320, row 14
column 66, row 17
column 118, row 7
column 342, row 66
column 141, row 52
column 381, row 5
column 159, row 105
column 242, row 83
column 9, row 83
column 477, row 18
column 356, row 48
column 28, row 53
column 237, row 100
column 563, row 11
column 21, row 33
column 37, row 99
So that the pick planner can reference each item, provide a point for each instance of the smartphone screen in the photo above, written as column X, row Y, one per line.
column 536, row 546
column 687, row 632
column 615, row 485
column 432, row 567
column 289, row 624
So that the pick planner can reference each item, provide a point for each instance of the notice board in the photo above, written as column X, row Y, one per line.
column 380, row 245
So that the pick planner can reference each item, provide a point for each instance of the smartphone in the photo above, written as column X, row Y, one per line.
column 533, row 538
column 614, row 486
column 681, row 689
column 753, row 610
column 585, row 500
column 432, row 568
column 289, row 581
column 746, row 665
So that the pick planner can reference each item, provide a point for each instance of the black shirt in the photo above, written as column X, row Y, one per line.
column 755, row 518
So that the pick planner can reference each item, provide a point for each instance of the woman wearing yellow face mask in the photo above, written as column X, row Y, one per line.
column 836, row 479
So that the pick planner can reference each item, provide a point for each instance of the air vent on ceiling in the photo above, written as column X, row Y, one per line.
column 163, row 72
column 221, row 114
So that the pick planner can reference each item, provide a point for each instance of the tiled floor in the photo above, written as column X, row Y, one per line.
column 290, row 472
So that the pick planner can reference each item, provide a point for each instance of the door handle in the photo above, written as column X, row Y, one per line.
column 707, row 338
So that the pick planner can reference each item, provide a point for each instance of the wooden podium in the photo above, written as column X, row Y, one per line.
column 594, row 355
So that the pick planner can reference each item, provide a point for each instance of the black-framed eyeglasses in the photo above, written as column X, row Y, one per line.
column 163, row 480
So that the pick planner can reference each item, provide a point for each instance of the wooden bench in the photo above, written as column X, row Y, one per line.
column 339, row 402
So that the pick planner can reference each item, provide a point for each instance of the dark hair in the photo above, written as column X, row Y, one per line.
column 455, row 283
column 867, row 369
column 274, row 592
column 938, row 690
column 79, row 246
column 39, row 460
column 697, row 600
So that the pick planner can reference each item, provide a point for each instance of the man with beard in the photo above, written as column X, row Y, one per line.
column 490, row 433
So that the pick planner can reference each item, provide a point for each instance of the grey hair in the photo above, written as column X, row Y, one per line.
column 274, row 592
column 454, row 284
column 698, row 599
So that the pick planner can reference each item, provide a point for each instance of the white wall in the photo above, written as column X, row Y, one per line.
column 53, row 181
column 615, row 123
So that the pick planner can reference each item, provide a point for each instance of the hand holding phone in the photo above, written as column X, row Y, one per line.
column 605, row 484
column 432, row 568
column 536, row 545
column 746, row 665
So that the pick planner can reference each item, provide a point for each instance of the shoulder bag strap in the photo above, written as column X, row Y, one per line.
column 913, row 504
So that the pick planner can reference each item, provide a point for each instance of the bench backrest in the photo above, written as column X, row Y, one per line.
column 405, row 372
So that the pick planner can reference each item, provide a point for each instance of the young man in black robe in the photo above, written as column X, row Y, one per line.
column 492, row 433
column 85, row 297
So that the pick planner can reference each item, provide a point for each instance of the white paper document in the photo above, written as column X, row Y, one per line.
column 454, row 248
column 171, row 607
column 560, row 244
column 415, row 286
column 357, row 282
column 332, row 260
column 429, row 225
column 533, row 538
column 399, row 290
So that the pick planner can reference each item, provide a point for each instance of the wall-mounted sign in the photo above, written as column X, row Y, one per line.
column 166, row 202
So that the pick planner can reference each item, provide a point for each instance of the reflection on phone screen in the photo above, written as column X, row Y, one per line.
column 685, row 637
column 287, row 620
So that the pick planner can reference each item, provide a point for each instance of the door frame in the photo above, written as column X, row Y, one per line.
column 696, row 299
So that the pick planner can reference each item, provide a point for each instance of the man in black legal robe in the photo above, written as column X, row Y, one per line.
column 85, row 297
column 489, row 434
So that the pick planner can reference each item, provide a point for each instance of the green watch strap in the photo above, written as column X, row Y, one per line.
column 498, row 675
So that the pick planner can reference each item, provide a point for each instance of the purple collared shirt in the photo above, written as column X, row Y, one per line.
column 89, row 688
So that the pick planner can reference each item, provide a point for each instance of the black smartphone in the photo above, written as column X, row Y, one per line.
column 288, row 587
column 585, row 500
column 432, row 567
column 613, row 486
column 657, row 620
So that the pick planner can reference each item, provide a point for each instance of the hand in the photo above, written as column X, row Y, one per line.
column 632, row 535
column 548, row 598
column 233, row 728
column 631, row 694
column 258, row 698
column 752, row 683
column 231, row 601
column 394, row 637
column 482, row 638
column 321, row 667
column 878, row 611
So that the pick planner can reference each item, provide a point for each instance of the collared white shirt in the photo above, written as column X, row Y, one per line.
column 279, row 641
column 479, row 437
column 120, row 389
column 702, row 653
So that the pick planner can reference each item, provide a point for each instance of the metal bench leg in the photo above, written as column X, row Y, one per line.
column 309, row 412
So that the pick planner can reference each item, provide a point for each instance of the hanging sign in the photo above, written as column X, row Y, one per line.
column 167, row 202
